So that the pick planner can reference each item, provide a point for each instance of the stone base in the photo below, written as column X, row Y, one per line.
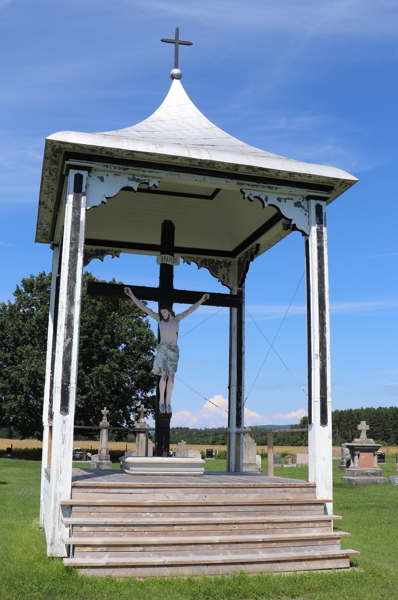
column 364, row 480
column 357, row 476
column 161, row 465
column 101, row 462
column 251, row 468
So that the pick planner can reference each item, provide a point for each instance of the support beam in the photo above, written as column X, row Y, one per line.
column 319, row 372
column 66, row 358
column 47, row 405
column 270, row 454
column 236, row 385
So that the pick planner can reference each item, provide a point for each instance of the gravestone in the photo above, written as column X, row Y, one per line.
column 288, row 460
column 209, row 453
column 194, row 454
column 381, row 458
column 363, row 468
column 250, row 453
column 78, row 453
column 277, row 460
column 8, row 453
column 182, row 450
column 396, row 462
column 393, row 479
column 302, row 459
column 102, row 460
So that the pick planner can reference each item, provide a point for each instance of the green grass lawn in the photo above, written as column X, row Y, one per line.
column 370, row 513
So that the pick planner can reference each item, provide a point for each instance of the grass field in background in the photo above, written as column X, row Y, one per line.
column 5, row 443
column 369, row 512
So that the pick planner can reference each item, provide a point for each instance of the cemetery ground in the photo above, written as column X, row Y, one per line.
column 369, row 513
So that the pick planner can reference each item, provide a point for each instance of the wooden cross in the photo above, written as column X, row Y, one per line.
column 165, row 295
column 363, row 428
column 177, row 43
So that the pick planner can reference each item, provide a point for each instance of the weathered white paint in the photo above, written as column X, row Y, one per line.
column 293, row 207
column 46, row 501
column 46, row 424
column 63, row 423
column 319, row 436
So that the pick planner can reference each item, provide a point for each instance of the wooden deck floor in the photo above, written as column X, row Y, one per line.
column 210, row 477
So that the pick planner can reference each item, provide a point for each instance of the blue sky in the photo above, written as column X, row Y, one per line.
column 313, row 80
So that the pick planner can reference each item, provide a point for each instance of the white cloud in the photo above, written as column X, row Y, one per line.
column 297, row 414
column 214, row 413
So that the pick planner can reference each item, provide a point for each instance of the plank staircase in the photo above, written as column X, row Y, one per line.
column 157, row 529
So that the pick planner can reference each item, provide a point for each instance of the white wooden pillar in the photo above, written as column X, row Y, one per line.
column 66, row 357
column 236, row 385
column 47, row 404
column 319, row 372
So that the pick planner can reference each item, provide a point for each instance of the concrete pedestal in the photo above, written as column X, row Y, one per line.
column 161, row 465
column 358, row 476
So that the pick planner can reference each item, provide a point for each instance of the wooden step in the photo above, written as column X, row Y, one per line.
column 212, row 563
column 188, row 486
column 152, row 541
column 198, row 521
column 244, row 501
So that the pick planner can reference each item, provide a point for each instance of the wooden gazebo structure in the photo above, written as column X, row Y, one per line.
column 106, row 193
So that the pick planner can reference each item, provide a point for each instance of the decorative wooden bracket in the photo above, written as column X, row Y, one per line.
column 293, row 208
column 103, row 185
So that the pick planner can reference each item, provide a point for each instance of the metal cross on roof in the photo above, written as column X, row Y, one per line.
column 176, row 73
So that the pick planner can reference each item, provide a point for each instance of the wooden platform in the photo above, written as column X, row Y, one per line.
column 147, row 526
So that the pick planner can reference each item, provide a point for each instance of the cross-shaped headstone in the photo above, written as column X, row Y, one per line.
column 363, row 428
column 143, row 410
column 105, row 412
column 177, row 43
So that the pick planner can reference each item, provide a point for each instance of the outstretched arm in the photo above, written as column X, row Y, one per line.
column 140, row 305
column 192, row 308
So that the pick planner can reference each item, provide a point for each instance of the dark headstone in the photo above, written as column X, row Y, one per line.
column 277, row 460
column 79, row 454
column 209, row 453
column 381, row 457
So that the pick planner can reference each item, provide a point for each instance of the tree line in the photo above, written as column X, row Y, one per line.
column 382, row 421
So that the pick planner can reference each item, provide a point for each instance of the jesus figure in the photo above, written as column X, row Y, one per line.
column 167, row 351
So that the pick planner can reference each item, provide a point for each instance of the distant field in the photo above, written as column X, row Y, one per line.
column 88, row 445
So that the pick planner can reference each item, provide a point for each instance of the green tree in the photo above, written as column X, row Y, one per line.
column 115, row 359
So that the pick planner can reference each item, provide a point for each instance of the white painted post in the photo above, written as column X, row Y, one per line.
column 319, row 371
column 46, row 450
column 236, row 387
column 66, row 357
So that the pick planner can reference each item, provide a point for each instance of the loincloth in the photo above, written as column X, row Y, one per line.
column 166, row 358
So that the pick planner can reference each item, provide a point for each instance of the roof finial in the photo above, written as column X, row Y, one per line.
column 176, row 73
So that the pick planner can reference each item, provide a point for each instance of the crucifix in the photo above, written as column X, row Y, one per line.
column 177, row 43
column 166, row 295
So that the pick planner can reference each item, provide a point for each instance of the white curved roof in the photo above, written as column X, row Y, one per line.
column 177, row 128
